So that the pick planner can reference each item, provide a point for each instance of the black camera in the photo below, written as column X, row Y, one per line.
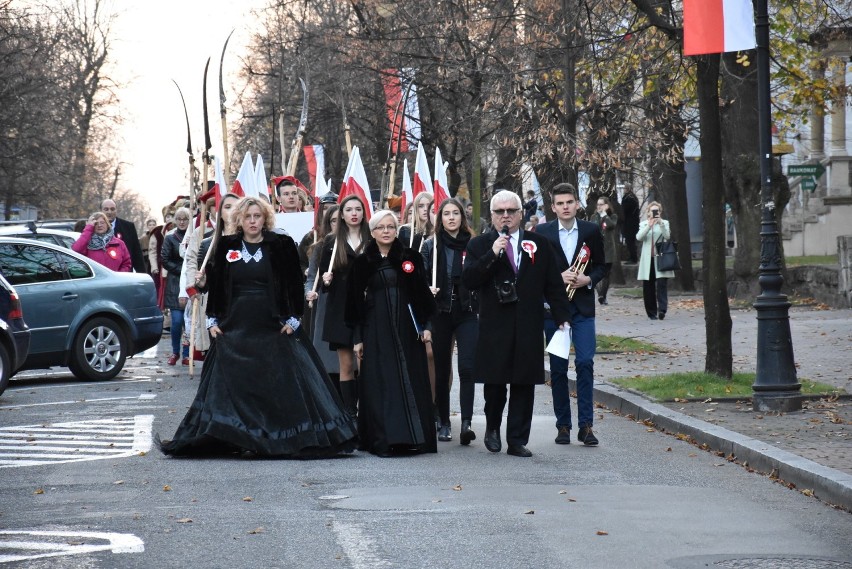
column 506, row 292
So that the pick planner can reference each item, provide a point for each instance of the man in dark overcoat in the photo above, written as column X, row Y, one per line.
column 569, row 235
column 511, row 271
column 630, row 227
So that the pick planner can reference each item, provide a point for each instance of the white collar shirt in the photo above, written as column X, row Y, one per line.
column 568, row 240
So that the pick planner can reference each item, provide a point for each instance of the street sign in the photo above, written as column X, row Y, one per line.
column 809, row 184
column 815, row 170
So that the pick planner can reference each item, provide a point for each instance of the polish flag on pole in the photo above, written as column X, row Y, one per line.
column 407, row 195
column 442, row 189
column 315, row 160
column 260, row 184
column 717, row 26
column 392, row 84
column 422, row 178
column 219, row 179
column 244, row 185
column 355, row 183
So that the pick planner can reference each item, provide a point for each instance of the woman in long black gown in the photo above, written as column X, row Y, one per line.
column 263, row 388
column 388, row 306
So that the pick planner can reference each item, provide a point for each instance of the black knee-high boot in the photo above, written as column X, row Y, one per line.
column 349, row 393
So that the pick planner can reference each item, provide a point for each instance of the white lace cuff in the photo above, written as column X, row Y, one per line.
column 212, row 321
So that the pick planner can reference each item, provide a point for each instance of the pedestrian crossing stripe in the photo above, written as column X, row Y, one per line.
column 75, row 441
column 25, row 545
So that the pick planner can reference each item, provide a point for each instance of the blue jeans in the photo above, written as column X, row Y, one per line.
column 177, row 332
column 583, row 340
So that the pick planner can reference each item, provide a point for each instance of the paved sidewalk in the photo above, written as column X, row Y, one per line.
column 797, row 447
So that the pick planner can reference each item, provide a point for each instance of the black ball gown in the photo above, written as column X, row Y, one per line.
column 262, row 391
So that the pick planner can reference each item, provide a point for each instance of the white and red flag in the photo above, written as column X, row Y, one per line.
column 315, row 161
column 422, row 177
column 442, row 189
column 260, row 182
column 407, row 195
column 717, row 26
column 355, row 183
column 244, row 185
column 219, row 178
column 412, row 108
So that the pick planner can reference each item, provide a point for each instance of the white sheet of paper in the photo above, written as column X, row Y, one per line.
column 560, row 343
column 295, row 224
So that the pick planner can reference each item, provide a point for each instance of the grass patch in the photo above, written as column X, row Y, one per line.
column 699, row 385
column 812, row 260
column 628, row 292
column 621, row 344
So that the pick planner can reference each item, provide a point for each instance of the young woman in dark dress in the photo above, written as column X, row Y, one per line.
column 263, row 388
column 339, row 250
column 423, row 226
column 457, row 316
column 389, row 306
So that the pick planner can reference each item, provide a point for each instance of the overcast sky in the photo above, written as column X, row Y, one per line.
column 157, row 41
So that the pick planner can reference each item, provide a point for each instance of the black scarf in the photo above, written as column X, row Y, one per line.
column 457, row 245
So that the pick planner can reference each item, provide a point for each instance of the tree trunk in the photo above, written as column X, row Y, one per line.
column 741, row 169
column 717, row 315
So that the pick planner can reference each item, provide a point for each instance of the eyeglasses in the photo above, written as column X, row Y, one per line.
column 501, row 212
column 381, row 228
column 181, row 219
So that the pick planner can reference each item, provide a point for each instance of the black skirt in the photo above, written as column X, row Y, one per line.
column 264, row 392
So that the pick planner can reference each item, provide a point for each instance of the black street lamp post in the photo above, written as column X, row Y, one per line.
column 776, row 387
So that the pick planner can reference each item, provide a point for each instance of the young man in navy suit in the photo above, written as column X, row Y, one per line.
column 568, row 234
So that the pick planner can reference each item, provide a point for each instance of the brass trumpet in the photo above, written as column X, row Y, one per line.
column 579, row 266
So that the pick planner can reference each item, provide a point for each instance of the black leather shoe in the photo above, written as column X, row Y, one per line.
column 652, row 316
column 467, row 433
column 492, row 441
column 587, row 437
column 444, row 433
column 519, row 450
column 563, row 437
column 661, row 315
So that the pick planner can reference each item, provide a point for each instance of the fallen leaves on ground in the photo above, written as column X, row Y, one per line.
column 602, row 532
column 39, row 491
column 184, row 521
column 457, row 487
column 257, row 531
column 167, row 488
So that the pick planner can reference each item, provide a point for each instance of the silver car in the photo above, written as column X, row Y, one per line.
column 80, row 314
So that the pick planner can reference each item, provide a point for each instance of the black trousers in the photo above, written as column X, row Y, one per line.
column 465, row 327
column 655, row 293
column 630, row 243
column 519, row 419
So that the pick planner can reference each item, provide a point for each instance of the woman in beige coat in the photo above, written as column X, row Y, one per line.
column 654, row 282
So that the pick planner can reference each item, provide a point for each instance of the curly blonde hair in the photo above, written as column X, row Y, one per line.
column 242, row 207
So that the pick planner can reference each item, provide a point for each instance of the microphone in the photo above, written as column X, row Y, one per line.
column 504, row 231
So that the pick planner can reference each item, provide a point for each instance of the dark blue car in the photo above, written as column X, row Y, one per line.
column 80, row 314
column 14, row 334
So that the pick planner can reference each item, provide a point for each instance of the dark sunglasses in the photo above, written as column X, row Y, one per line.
column 512, row 211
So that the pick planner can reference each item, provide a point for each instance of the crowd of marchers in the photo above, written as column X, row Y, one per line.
column 344, row 341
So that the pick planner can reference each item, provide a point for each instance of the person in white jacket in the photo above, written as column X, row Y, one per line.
column 654, row 282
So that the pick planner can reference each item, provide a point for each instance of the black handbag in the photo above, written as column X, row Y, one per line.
column 667, row 259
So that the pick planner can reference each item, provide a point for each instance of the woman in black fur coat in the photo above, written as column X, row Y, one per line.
column 263, row 388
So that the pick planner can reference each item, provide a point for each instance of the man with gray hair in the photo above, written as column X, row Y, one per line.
column 512, row 270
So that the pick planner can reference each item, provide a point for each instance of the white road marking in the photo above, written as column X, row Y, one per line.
column 359, row 548
column 144, row 396
column 77, row 441
column 68, row 543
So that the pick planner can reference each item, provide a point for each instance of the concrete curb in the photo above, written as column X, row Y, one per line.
column 829, row 485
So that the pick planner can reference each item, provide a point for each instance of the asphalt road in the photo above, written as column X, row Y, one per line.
column 81, row 486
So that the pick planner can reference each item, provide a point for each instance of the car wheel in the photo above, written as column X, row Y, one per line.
column 99, row 350
column 5, row 368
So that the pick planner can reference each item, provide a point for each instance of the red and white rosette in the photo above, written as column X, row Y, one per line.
column 233, row 255
column 530, row 248
column 407, row 267
column 113, row 253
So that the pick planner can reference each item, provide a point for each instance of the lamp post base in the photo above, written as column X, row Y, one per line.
column 777, row 402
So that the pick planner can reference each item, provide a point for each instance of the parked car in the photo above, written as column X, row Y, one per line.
column 81, row 314
column 31, row 231
column 14, row 334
